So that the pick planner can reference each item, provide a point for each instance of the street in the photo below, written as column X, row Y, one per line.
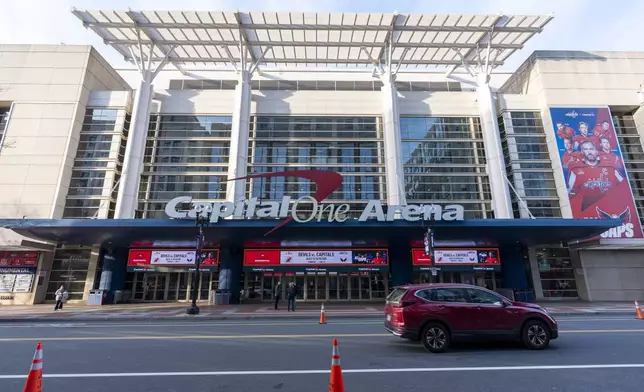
column 592, row 354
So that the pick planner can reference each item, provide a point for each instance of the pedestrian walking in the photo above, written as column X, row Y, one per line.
column 277, row 294
column 292, row 295
column 61, row 297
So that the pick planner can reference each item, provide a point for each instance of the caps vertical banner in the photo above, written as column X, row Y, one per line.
column 594, row 170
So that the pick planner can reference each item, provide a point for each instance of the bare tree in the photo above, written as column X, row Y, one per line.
column 9, row 144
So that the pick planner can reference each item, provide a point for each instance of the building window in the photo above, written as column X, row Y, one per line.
column 69, row 269
column 444, row 163
column 185, row 155
column 4, row 121
column 351, row 146
column 556, row 273
column 528, row 165
column 97, row 167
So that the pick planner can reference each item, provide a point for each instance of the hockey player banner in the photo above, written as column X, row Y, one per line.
column 594, row 171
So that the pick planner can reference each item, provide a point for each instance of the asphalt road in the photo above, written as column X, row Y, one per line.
column 592, row 354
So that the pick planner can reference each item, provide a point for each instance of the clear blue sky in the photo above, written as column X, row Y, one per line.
column 578, row 24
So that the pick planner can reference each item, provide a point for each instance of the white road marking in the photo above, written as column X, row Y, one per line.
column 162, row 324
column 326, row 371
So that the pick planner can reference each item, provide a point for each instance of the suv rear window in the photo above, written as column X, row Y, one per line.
column 395, row 296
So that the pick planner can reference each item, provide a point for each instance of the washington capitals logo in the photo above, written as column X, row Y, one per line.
column 625, row 216
column 326, row 183
column 602, row 183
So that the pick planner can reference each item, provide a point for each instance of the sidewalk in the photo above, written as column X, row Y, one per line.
column 177, row 312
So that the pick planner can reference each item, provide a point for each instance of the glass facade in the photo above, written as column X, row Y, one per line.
column 351, row 146
column 444, row 163
column 97, row 168
column 633, row 154
column 185, row 155
column 69, row 269
column 556, row 273
column 528, row 165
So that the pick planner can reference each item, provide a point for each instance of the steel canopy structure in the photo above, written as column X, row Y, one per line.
column 219, row 39
column 384, row 43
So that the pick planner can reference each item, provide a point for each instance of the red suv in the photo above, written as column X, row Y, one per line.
column 437, row 314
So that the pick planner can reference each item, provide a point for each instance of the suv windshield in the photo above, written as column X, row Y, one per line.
column 395, row 296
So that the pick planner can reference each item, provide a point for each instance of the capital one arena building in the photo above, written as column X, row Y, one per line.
column 318, row 148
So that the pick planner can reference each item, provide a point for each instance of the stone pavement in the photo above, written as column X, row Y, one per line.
column 174, row 311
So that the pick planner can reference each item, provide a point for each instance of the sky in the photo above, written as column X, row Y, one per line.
column 578, row 24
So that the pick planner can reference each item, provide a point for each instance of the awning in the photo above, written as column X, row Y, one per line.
column 123, row 232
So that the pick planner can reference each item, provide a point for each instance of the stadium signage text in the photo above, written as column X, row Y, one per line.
column 307, row 209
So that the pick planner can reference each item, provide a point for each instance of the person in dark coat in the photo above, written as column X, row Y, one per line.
column 292, row 295
column 277, row 294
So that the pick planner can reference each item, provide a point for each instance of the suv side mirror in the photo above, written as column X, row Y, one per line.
column 505, row 303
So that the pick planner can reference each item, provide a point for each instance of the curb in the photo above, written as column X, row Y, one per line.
column 232, row 317
column 187, row 319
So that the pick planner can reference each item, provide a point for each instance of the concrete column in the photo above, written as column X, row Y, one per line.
column 127, row 198
column 535, row 275
column 238, row 157
column 91, row 273
column 393, row 150
column 501, row 202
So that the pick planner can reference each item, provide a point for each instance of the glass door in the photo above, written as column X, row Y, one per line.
column 149, row 287
column 173, row 287
column 299, row 282
column 267, row 287
column 139, row 286
column 343, row 286
column 333, row 287
column 310, row 287
column 160, row 287
column 183, row 286
column 378, row 286
column 321, row 287
column 354, row 287
column 365, row 287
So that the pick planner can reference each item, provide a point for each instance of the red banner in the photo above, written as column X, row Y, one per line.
column 419, row 257
column 444, row 256
column 19, row 259
column 151, row 259
column 255, row 257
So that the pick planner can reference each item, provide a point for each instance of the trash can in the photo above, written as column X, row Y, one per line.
column 225, row 297
column 222, row 297
column 97, row 297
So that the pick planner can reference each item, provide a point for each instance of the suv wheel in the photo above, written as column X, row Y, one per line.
column 435, row 337
column 535, row 335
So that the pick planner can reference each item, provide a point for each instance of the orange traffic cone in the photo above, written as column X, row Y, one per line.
column 322, row 315
column 336, row 384
column 34, row 379
column 638, row 311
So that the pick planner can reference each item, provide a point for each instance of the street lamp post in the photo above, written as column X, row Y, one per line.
column 202, row 222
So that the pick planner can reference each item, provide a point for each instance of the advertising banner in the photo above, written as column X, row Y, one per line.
column 19, row 259
column 142, row 260
column 593, row 168
column 315, row 260
column 16, row 279
column 481, row 259
column 315, row 257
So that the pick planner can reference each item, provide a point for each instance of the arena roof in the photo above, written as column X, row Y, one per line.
column 193, row 39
